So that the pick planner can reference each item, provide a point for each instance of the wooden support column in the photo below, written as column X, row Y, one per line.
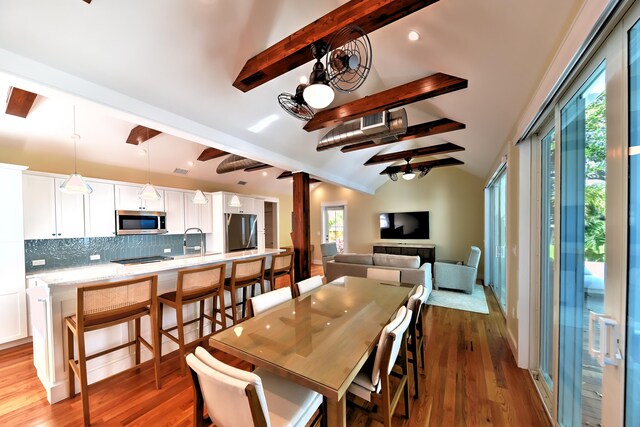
column 301, row 236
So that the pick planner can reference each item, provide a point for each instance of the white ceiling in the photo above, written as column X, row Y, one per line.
column 169, row 64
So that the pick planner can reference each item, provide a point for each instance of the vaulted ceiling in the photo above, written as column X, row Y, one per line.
column 169, row 66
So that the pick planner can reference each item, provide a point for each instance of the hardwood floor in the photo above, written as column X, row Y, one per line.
column 470, row 379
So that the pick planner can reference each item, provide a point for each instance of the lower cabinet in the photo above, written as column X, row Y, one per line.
column 427, row 253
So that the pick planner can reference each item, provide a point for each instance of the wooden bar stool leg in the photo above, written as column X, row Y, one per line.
column 71, row 361
column 156, row 342
column 137, row 337
column 233, row 305
column 201, row 322
column 244, row 300
column 180, row 324
column 223, row 317
column 84, row 385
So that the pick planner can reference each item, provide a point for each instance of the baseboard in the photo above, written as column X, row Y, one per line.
column 512, row 344
column 15, row 343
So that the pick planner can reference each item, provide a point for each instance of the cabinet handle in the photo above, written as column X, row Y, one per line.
column 59, row 234
column 53, row 234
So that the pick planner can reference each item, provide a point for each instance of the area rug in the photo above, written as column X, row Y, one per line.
column 476, row 302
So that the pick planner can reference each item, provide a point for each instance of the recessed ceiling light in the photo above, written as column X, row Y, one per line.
column 262, row 124
column 414, row 36
column 190, row 163
column 142, row 151
column 264, row 173
column 304, row 80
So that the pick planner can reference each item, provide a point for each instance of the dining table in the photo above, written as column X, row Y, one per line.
column 320, row 339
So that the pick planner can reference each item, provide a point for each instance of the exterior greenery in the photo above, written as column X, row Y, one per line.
column 595, row 164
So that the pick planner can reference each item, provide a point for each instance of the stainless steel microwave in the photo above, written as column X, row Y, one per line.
column 140, row 222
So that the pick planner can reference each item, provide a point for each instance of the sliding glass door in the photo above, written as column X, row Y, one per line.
column 497, row 235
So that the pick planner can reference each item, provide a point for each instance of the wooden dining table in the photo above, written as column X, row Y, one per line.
column 320, row 339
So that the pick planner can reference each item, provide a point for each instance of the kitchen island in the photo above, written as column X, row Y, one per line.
column 52, row 297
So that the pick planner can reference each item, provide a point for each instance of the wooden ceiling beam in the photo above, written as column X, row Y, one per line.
column 211, row 153
column 413, row 132
column 447, row 147
column 140, row 134
column 289, row 174
column 258, row 167
column 294, row 50
column 448, row 161
column 19, row 102
column 408, row 93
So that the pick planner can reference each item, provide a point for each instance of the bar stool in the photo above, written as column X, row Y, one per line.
column 194, row 285
column 244, row 274
column 415, row 337
column 104, row 305
column 281, row 265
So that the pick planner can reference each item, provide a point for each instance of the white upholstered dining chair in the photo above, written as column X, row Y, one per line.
column 383, row 274
column 307, row 285
column 268, row 300
column 237, row 398
column 415, row 336
column 372, row 383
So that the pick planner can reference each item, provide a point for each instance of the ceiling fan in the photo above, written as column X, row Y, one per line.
column 348, row 57
column 409, row 173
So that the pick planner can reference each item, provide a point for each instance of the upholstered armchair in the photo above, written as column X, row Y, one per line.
column 458, row 276
column 329, row 250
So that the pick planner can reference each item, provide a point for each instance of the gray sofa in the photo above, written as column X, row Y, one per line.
column 357, row 264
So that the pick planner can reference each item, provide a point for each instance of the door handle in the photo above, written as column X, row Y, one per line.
column 608, row 351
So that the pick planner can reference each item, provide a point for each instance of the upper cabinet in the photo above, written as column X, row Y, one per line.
column 174, row 206
column 196, row 215
column 99, row 210
column 127, row 199
column 48, row 212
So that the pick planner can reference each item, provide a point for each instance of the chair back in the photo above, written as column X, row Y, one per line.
column 198, row 281
column 383, row 274
column 389, row 344
column 329, row 249
column 307, row 285
column 474, row 257
column 233, row 397
column 246, row 272
column 415, row 305
column 106, row 302
column 281, row 263
column 264, row 302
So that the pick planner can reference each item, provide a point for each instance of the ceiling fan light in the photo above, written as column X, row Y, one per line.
column 148, row 192
column 235, row 202
column 199, row 198
column 318, row 95
column 75, row 184
column 408, row 176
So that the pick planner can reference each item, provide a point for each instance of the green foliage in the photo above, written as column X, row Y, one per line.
column 595, row 164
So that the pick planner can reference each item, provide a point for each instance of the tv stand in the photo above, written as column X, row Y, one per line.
column 426, row 252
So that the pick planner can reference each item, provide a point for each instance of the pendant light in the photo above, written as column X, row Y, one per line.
column 408, row 172
column 148, row 192
column 199, row 198
column 318, row 94
column 235, row 202
column 75, row 184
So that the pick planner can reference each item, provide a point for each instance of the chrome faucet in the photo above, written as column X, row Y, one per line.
column 202, row 242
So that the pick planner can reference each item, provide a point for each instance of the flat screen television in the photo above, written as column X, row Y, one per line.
column 241, row 232
column 404, row 225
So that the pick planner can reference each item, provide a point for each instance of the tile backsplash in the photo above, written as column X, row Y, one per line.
column 64, row 253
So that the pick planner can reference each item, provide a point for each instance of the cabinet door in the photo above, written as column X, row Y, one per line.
column 39, row 204
column 154, row 205
column 191, row 211
column 229, row 209
column 248, row 205
column 69, row 213
column 174, row 206
column 127, row 198
column 99, row 210
column 206, row 217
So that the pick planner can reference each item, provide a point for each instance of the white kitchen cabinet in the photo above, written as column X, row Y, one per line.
column 127, row 199
column 99, row 210
column 196, row 215
column 13, row 305
column 174, row 206
column 48, row 212
column 247, row 204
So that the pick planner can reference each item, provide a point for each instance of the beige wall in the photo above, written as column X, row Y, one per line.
column 454, row 199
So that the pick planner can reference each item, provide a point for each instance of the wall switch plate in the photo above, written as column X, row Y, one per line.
column 167, row 251
column 94, row 257
column 37, row 262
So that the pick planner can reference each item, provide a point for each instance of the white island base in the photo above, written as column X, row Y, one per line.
column 52, row 297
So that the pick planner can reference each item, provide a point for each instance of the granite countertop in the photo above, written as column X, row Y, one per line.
column 76, row 275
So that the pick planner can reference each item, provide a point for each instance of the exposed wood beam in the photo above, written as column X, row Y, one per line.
column 449, row 161
column 19, row 102
column 413, row 132
column 258, row 167
column 289, row 174
column 140, row 134
column 447, row 147
column 87, row 1
column 211, row 153
column 301, row 234
column 294, row 50
column 408, row 93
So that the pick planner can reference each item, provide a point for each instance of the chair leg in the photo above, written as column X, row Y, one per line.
column 201, row 323
column 244, row 300
column 70, row 362
column 180, row 323
column 234, row 315
column 84, row 385
column 156, row 343
column 137, row 337
column 223, row 317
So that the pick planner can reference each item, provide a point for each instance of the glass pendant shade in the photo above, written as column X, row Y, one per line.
column 199, row 198
column 149, row 192
column 235, row 202
column 75, row 184
column 408, row 176
column 318, row 95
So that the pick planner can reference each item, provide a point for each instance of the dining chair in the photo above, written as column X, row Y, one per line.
column 415, row 338
column 264, row 302
column 238, row 398
column 383, row 274
column 281, row 265
column 373, row 383
column 307, row 285
column 195, row 285
column 102, row 306
column 245, row 273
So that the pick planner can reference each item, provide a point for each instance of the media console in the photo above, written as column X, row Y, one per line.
column 426, row 252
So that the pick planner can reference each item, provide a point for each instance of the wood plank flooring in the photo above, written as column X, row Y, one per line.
column 470, row 379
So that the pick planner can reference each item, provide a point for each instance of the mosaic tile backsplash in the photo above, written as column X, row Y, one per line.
column 64, row 253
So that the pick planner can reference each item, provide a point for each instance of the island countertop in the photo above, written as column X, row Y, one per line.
column 110, row 271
